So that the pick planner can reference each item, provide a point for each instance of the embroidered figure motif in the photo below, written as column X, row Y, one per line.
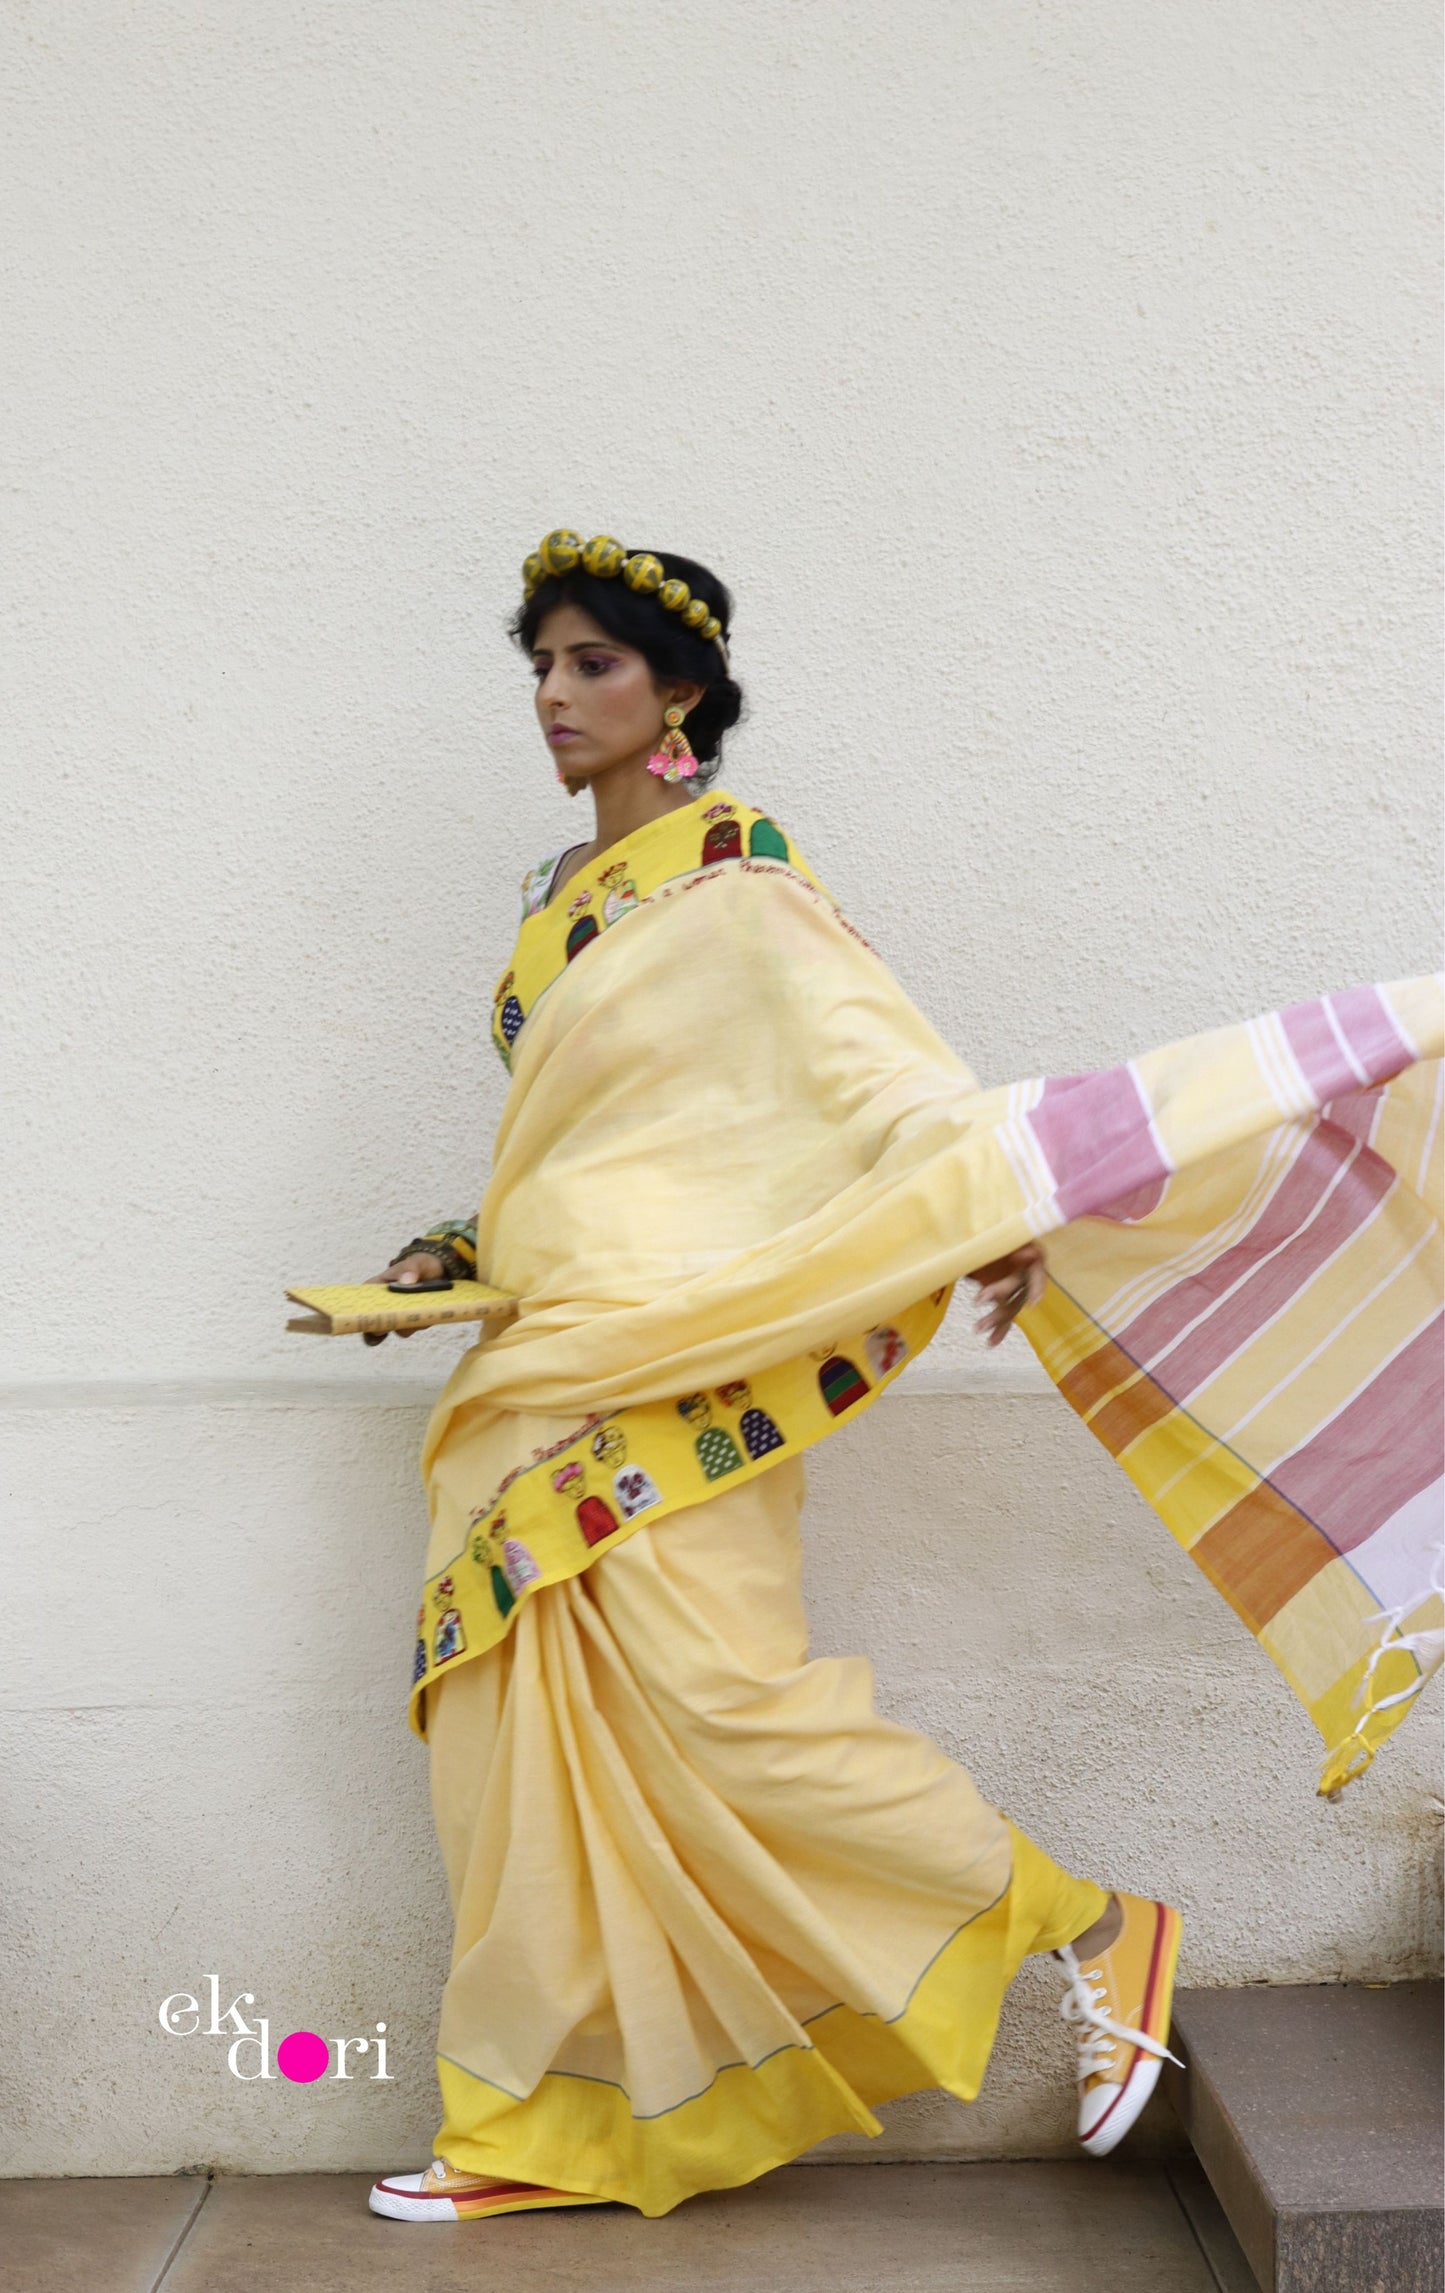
column 767, row 841
column 621, row 892
column 609, row 1445
column 518, row 1565
column 841, row 1383
column 635, row 1490
column 502, row 1592
column 418, row 1662
column 717, row 1452
column 885, row 1348
column 586, row 928
column 535, row 883
column 759, row 1432
column 450, row 1639
column 696, row 1409
column 723, row 841
column 595, row 1518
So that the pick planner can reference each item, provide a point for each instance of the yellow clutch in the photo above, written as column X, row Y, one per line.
column 342, row 1309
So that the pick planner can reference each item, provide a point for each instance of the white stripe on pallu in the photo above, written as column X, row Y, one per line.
column 1252, row 1273
column 1393, row 1014
column 1393, row 1563
column 1433, row 1126
column 1225, row 1439
column 1337, row 1329
column 1279, row 1067
column 1346, row 1053
column 1166, row 1162
column 1025, row 1157
column 1143, row 1290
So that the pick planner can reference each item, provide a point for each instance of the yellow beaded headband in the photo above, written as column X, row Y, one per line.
column 562, row 552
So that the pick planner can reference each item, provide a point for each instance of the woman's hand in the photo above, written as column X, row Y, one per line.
column 420, row 1266
column 1006, row 1286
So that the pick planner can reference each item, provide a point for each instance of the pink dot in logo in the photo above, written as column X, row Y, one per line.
column 302, row 2057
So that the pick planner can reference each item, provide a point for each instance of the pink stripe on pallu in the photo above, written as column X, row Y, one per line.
column 1377, row 1452
column 1357, row 1114
column 1367, row 1026
column 1142, row 1203
column 1296, row 1195
column 1369, row 1034
column 1286, row 1252
column 1097, row 1137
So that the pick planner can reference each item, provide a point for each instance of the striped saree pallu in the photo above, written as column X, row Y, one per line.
column 1257, row 1340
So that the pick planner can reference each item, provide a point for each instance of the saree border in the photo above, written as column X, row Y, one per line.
column 628, row 1468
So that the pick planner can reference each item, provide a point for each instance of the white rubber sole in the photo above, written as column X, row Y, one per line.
column 1124, row 2106
column 398, row 2198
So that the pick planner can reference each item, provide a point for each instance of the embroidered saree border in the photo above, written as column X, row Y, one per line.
column 626, row 1468
column 713, row 829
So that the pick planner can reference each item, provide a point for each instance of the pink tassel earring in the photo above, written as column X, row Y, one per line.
column 673, row 758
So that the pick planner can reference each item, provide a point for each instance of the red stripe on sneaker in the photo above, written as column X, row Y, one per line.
column 1155, row 1959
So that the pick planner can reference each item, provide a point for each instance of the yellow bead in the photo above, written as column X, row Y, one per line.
column 674, row 595
column 533, row 571
column 711, row 628
column 561, row 551
column 695, row 613
column 603, row 556
column 643, row 573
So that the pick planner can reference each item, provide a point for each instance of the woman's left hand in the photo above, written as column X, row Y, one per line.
column 1006, row 1286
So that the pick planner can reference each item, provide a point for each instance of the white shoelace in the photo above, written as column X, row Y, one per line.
column 1094, row 2032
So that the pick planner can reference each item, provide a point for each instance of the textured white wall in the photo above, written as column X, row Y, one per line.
column 1055, row 384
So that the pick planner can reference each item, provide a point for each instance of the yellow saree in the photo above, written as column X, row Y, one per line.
column 710, row 1906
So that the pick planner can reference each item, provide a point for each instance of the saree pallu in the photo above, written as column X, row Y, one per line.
column 735, row 1180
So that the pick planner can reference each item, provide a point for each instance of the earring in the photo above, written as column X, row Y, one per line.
column 673, row 759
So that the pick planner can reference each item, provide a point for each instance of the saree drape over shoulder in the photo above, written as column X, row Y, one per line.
column 710, row 1905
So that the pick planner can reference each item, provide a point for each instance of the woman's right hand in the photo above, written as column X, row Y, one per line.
column 419, row 1266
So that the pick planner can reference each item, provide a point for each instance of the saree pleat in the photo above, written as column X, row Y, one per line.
column 711, row 1905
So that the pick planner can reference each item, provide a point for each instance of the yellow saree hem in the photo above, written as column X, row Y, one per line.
column 582, row 2134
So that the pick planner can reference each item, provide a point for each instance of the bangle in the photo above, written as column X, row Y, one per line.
column 451, row 1261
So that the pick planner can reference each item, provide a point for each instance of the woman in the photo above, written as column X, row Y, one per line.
column 710, row 1905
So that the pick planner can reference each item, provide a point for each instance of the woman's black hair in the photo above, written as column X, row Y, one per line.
column 670, row 650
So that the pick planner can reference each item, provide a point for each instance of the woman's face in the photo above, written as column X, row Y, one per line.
column 597, row 703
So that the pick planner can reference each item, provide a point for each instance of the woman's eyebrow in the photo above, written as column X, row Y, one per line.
column 587, row 645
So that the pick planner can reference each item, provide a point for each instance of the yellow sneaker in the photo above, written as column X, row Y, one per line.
column 1117, row 2005
column 444, row 2193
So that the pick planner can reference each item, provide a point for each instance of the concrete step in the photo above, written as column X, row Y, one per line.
column 1315, row 2110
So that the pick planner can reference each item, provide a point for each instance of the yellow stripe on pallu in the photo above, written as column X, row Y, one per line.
column 1309, row 1604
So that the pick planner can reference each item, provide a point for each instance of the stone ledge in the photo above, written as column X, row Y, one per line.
column 1315, row 2110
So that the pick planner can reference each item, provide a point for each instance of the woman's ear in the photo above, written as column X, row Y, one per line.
column 684, row 696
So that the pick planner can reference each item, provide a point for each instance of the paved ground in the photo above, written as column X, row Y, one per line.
column 1073, row 2228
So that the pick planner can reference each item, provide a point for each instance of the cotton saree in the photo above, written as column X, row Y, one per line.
column 736, row 1178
